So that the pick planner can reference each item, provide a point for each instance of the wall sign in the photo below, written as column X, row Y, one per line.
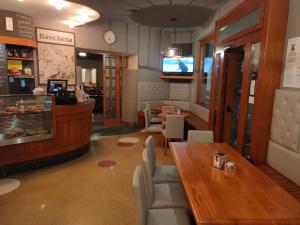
column 292, row 64
column 55, row 37
column 18, row 25
column 56, row 55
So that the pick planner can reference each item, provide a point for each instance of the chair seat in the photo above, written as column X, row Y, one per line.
column 169, row 195
column 155, row 128
column 155, row 120
column 167, row 217
column 166, row 174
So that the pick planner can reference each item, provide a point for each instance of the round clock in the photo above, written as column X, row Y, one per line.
column 110, row 37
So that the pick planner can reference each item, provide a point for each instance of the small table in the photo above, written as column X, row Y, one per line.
column 164, row 115
column 244, row 196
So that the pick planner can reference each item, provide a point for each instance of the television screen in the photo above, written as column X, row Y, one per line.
column 208, row 62
column 57, row 85
column 176, row 65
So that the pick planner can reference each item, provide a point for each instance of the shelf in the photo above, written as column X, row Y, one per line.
column 9, row 114
column 23, row 59
column 177, row 77
column 21, row 76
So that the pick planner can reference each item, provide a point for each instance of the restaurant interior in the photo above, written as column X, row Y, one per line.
column 149, row 112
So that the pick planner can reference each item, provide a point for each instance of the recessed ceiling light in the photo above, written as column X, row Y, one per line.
column 59, row 4
column 82, row 54
column 20, row 0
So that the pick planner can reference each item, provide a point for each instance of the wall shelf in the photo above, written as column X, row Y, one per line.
column 17, row 58
column 177, row 77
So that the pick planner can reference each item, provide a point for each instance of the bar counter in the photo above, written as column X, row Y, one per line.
column 71, row 132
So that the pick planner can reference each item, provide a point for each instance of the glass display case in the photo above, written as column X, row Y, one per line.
column 25, row 118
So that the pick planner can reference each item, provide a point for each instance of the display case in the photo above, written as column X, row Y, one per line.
column 25, row 118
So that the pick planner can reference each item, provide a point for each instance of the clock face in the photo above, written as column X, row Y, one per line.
column 109, row 37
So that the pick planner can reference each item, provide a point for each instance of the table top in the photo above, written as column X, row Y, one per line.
column 244, row 196
column 164, row 115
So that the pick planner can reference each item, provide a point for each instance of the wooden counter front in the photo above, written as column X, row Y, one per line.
column 71, row 131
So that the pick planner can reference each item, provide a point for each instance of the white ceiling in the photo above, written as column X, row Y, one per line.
column 188, row 13
column 42, row 9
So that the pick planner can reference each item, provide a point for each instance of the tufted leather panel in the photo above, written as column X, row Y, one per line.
column 200, row 111
column 286, row 119
column 180, row 91
column 285, row 161
column 150, row 91
column 181, row 104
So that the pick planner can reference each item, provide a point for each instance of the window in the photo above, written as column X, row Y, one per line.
column 206, row 65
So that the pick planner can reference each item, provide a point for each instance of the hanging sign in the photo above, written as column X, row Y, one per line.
column 292, row 64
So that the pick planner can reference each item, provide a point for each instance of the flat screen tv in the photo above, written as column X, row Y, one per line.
column 57, row 85
column 180, row 66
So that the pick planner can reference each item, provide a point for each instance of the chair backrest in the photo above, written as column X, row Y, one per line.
column 175, row 126
column 140, row 194
column 147, row 119
column 148, row 107
column 148, row 176
column 150, row 145
column 200, row 136
column 169, row 108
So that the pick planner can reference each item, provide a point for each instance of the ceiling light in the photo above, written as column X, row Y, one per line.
column 71, row 23
column 59, row 4
column 82, row 54
column 20, row 0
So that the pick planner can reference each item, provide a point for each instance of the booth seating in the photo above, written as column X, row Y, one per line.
column 197, row 118
column 284, row 143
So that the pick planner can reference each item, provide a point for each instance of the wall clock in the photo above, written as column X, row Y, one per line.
column 109, row 37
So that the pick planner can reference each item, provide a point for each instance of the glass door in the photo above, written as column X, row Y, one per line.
column 234, row 61
column 111, row 90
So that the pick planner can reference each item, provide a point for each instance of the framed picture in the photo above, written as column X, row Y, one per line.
column 56, row 56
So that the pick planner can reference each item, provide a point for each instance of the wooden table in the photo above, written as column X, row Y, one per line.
column 244, row 196
column 164, row 115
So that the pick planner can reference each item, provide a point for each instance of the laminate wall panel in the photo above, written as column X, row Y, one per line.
column 154, row 51
column 133, row 38
column 144, row 32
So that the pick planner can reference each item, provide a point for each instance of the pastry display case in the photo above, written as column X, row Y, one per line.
column 25, row 118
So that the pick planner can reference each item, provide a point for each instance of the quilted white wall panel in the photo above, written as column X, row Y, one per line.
column 285, row 129
column 180, row 91
column 150, row 91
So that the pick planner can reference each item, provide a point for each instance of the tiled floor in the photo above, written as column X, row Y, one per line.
column 79, row 192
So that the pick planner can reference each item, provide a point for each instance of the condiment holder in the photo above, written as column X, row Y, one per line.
column 221, row 161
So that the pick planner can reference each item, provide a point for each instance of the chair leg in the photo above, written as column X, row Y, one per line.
column 165, row 146
column 146, row 135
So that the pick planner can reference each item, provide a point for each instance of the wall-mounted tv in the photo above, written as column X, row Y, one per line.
column 178, row 66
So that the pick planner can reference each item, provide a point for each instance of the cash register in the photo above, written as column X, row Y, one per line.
column 62, row 95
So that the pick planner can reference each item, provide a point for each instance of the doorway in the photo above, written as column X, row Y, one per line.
column 89, row 77
column 233, row 63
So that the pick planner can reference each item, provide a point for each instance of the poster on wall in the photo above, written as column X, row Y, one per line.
column 56, row 56
column 56, row 62
column 292, row 64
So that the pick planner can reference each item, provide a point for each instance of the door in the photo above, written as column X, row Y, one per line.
column 111, row 90
column 234, row 61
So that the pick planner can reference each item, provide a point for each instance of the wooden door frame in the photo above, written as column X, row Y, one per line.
column 245, row 41
column 116, row 120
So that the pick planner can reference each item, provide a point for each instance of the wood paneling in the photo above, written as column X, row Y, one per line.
column 244, row 196
column 72, row 126
column 282, row 181
column 270, row 31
